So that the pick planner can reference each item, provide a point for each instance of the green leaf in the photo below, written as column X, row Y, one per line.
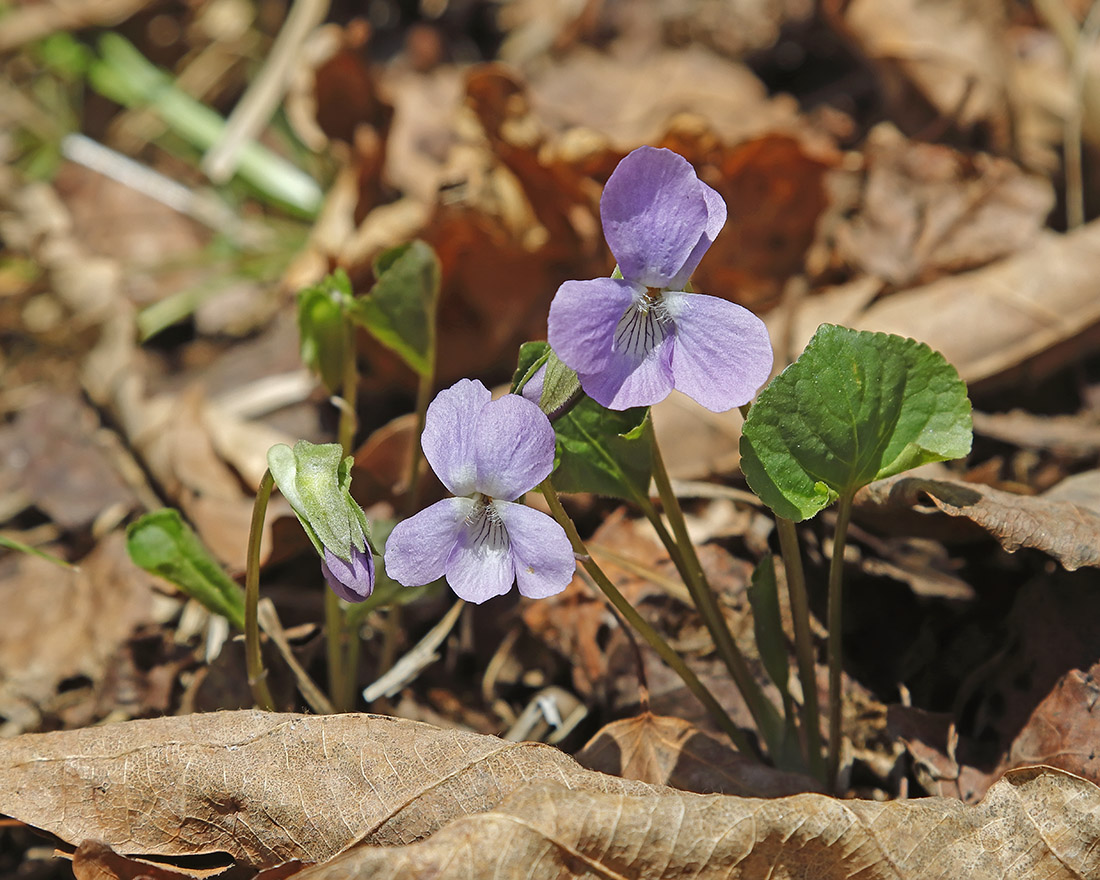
column 323, row 330
column 162, row 543
column 608, row 452
column 316, row 480
column 768, row 624
column 20, row 547
column 604, row 451
column 400, row 309
column 855, row 407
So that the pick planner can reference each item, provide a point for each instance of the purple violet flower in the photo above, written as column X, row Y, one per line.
column 351, row 581
column 632, row 340
column 488, row 453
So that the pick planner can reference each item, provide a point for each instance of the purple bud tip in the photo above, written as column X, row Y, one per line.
column 532, row 391
column 351, row 581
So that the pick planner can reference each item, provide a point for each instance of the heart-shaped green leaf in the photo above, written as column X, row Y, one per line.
column 855, row 407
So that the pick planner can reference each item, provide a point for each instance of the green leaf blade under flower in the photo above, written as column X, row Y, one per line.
column 163, row 544
column 855, row 407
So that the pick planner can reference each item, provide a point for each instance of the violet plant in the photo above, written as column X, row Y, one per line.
column 854, row 407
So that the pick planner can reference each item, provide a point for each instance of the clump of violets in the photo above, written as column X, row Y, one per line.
column 488, row 453
column 316, row 480
column 633, row 339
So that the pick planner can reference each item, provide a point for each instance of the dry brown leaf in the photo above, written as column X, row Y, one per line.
column 670, row 751
column 64, row 624
column 56, row 458
column 1067, row 529
column 939, row 62
column 267, row 788
column 1064, row 730
column 928, row 210
column 1037, row 822
column 1029, row 309
column 1075, row 435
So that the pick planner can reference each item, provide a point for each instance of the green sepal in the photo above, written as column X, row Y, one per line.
column 855, row 407
column 561, row 388
column 322, row 328
column 162, row 543
column 316, row 480
column 608, row 452
column 400, row 309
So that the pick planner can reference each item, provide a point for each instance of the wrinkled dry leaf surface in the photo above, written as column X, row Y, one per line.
column 270, row 788
column 1068, row 530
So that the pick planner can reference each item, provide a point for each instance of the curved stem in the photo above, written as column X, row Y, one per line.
column 803, row 642
column 254, row 661
column 763, row 711
column 642, row 626
column 836, row 650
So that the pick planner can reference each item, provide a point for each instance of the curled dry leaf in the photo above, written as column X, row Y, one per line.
column 940, row 63
column 928, row 210
column 269, row 788
column 1068, row 530
column 1064, row 730
column 1034, row 823
column 670, row 751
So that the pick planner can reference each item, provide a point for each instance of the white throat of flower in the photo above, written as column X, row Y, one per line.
column 643, row 326
column 487, row 531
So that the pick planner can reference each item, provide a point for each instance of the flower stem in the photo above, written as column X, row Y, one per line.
column 424, row 386
column 763, row 711
column 642, row 626
column 803, row 642
column 254, row 661
column 836, row 651
column 341, row 675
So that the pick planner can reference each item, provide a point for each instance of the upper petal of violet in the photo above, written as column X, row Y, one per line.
column 723, row 353
column 513, row 447
column 654, row 214
column 716, row 219
column 448, row 438
column 352, row 581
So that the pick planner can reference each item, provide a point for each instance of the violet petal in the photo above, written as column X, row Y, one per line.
column 716, row 219
column 723, row 353
column 541, row 552
column 418, row 548
column 480, row 565
column 532, row 389
column 352, row 581
column 639, row 369
column 448, row 438
column 654, row 212
column 583, row 317
column 513, row 447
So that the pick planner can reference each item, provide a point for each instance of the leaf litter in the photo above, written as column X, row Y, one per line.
column 967, row 664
